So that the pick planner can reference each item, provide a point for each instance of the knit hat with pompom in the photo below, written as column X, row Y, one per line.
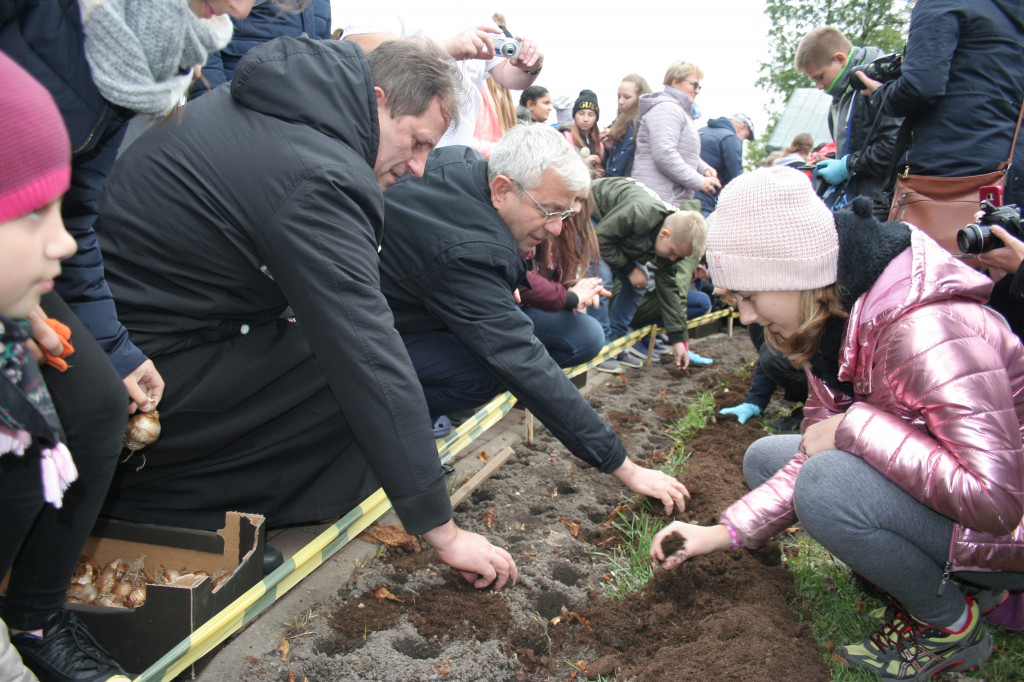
column 771, row 232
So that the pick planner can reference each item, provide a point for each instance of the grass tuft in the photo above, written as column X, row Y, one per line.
column 629, row 564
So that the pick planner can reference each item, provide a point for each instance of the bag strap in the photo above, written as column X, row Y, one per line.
column 1013, row 146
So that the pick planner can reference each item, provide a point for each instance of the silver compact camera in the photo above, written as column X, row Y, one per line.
column 507, row 47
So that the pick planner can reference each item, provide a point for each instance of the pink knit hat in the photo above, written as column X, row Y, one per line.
column 771, row 232
column 35, row 151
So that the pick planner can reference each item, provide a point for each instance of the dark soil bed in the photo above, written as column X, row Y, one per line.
column 409, row 617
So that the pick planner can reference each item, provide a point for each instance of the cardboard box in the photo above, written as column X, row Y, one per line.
column 138, row 637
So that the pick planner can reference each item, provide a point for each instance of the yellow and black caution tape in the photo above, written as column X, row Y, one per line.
column 324, row 546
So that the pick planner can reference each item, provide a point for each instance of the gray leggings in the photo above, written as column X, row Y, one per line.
column 872, row 526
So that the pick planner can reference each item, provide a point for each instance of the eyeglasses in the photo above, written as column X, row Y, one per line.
column 549, row 216
column 695, row 84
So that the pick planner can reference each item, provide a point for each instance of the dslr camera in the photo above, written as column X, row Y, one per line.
column 507, row 47
column 978, row 238
column 884, row 69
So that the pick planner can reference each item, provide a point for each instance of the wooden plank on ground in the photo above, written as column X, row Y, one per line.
column 479, row 477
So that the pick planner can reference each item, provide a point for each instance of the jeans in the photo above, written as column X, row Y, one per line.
column 452, row 378
column 872, row 526
column 616, row 315
column 697, row 303
column 571, row 338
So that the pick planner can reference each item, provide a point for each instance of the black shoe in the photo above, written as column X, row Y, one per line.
column 272, row 559
column 67, row 653
column 790, row 424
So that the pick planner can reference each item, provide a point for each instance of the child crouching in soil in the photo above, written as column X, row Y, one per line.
column 909, row 469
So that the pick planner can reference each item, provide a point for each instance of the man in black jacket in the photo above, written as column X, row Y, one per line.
column 449, row 275
column 266, row 197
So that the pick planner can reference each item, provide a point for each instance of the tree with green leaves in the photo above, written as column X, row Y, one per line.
column 881, row 23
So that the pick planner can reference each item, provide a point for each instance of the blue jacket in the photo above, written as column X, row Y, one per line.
column 961, row 88
column 265, row 22
column 722, row 149
column 619, row 160
column 46, row 39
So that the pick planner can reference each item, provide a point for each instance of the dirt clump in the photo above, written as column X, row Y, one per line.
column 673, row 542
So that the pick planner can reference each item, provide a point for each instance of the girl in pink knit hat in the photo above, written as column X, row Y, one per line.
column 35, row 465
column 909, row 465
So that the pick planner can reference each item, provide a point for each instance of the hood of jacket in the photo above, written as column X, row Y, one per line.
column 722, row 122
column 669, row 94
column 857, row 57
column 310, row 82
column 922, row 274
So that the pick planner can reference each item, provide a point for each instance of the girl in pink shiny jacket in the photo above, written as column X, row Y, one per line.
column 909, row 468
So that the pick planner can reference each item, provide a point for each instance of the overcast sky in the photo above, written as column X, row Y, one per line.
column 594, row 44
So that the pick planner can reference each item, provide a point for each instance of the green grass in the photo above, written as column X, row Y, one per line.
column 629, row 564
column 696, row 418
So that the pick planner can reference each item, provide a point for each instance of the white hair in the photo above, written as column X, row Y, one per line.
column 528, row 150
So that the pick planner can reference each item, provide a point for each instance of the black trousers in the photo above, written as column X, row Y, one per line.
column 773, row 369
column 248, row 425
column 41, row 544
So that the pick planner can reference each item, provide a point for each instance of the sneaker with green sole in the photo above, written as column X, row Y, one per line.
column 67, row 652
column 907, row 649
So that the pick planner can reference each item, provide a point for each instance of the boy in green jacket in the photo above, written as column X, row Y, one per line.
column 633, row 226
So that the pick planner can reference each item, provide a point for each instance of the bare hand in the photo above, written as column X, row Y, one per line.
column 145, row 387
column 638, row 278
column 479, row 562
column 700, row 540
column 821, row 436
column 1007, row 258
column 711, row 185
column 869, row 85
column 473, row 43
column 530, row 57
column 589, row 291
column 43, row 336
column 710, row 172
column 681, row 354
column 651, row 483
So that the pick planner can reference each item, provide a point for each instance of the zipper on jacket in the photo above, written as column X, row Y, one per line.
column 92, row 133
column 945, row 578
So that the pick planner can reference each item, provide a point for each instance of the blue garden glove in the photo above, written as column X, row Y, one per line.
column 743, row 411
column 699, row 359
column 832, row 171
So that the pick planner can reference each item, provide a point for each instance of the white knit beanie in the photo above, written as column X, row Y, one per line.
column 771, row 232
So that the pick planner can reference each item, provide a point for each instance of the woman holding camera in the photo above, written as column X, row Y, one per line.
column 960, row 89
column 909, row 467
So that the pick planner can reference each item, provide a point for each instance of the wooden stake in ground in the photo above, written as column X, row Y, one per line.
column 528, row 424
column 479, row 477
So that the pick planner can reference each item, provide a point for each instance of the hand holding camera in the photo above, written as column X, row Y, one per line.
column 978, row 238
column 884, row 69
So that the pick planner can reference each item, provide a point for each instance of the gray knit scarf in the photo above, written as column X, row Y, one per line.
column 141, row 52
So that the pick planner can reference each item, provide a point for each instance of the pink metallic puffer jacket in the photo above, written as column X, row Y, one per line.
column 939, row 383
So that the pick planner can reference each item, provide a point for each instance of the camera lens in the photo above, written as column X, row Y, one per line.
column 971, row 239
column 508, row 49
